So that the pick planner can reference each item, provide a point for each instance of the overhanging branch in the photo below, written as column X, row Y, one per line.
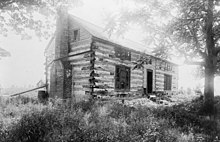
column 194, row 63
column 4, row 3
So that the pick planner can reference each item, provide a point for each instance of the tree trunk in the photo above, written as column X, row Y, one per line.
column 209, row 91
column 210, row 61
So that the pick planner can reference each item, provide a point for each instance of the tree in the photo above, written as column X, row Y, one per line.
column 26, row 16
column 192, row 31
column 197, row 28
column 151, row 16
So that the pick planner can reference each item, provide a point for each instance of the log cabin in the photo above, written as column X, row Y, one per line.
column 83, row 61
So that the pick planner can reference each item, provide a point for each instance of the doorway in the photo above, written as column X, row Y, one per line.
column 149, row 81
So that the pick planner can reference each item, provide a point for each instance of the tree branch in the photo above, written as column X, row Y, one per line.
column 194, row 63
column 4, row 3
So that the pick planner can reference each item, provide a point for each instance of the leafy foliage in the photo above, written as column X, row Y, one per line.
column 99, row 121
column 25, row 17
column 189, row 117
column 191, row 32
column 151, row 16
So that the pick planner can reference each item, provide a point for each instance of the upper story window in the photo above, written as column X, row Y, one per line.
column 165, row 66
column 123, row 54
column 76, row 35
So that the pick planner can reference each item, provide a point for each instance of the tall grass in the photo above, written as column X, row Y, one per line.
column 95, row 121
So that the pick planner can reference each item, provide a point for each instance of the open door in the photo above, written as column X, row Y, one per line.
column 149, row 81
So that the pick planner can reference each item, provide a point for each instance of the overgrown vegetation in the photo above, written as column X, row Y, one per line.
column 97, row 121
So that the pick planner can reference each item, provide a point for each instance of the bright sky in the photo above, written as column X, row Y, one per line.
column 26, row 64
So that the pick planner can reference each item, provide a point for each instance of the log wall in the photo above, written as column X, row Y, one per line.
column 94, row 72
column 105, row 69
column 81, row 64
column 161, row 70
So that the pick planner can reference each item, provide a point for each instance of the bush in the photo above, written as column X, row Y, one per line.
column 82, row 122
column 187, row 118
column 120, row 111
column 99, row 122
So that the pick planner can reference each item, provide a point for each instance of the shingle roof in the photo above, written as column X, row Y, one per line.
column 99, row 32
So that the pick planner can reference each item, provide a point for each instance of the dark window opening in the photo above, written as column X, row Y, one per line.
column 122, row 77
column 123, row 54
column 167, row 82
column 149, row 81
column 76, row 35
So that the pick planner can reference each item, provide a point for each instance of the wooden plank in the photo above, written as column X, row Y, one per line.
column 79, row 75
column 80, row 48
column 104, row 80
column 106, row 83
column 110, row 51
column 109, row 67
column 137, row 82
column 82, row 59
column 81, row 89
column 81, row 64
column 104, row 72
column 81, row 83
column 81, row 42
column 107, row 46
column 81, row 80
column 81, row 56
column 103, row 53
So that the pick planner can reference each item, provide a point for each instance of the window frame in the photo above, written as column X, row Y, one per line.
column 167, row 82
column 118, row 79
column 77, row 36
column 123, row 54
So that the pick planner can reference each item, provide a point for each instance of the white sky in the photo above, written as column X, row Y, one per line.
column 26, row 64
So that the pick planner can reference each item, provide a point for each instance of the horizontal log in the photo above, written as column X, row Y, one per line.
column 80, row 43
column 79, row 93
column 81, row 56
column 109, row 67
column 82, row 46
column 81, row 83
column 81, row 80
column 136, row 88
column 104, row 72
column 81, row 63
column 104, row 80
column 105, row 45
column 137, row 76
column 159, row 79
column 80, row 50
column 102, row 53
column 110, row 51
column 80, row 75
column 106, row 83
column 118, row 62
column 81, row 59
column 137, row 71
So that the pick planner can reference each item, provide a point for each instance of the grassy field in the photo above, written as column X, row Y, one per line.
column 25, row 120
